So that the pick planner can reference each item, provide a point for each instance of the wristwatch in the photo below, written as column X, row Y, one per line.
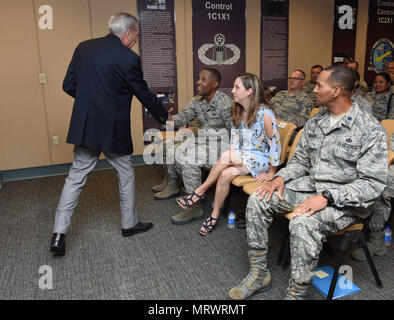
column 327, row 194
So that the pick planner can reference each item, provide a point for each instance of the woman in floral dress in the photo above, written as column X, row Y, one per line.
column 254, row 147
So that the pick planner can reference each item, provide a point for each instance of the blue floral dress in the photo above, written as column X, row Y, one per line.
column 256, row 150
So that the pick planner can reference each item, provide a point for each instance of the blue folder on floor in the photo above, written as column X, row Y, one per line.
column 322, row 282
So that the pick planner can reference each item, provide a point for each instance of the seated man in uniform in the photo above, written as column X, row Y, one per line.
column 293, row 105
column 356, row 96
column 338, row 170
column 311, row 84
column 211, row 107
column 363, row 86
column 390, row 70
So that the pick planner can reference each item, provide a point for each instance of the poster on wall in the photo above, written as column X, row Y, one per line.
column 345, row 30
column 274, row 43
column 157, row 46
column 219, row 39
column 380, row 38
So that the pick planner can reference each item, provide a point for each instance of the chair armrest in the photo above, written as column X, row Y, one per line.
column 391, row 158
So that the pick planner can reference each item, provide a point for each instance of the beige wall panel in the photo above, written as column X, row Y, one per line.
column 189, row 50
column 253, row 14
column 361, row 37
column 101, row 11
column 71, row 25
column 23, row 131
column 311, row 26
column 183, row 48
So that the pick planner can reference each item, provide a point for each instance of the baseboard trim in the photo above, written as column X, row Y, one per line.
column 55, row 170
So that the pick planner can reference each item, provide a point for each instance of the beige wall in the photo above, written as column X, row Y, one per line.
column 31, row 113
column 310, row 33
column 361, row 40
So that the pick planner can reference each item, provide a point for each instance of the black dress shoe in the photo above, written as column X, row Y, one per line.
column 58, row 244
column 138, row 228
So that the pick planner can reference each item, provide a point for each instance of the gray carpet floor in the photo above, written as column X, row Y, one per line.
column 168, row 262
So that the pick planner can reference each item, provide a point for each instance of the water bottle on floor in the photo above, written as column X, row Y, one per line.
column 387, row 236
column 231, row 220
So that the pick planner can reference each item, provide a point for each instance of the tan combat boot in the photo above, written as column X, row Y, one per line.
column 296, row 291
column 169, row 191
column 375, row 246
column 189, row 215
column 163, row 183
column 257, row 280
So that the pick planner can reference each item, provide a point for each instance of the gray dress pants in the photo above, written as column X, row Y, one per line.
column 84, row 162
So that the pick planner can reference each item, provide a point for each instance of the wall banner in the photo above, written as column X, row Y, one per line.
column 157, row 46
column 219, row 28
column 345, row 30
column 274, row 43
column 380, row 38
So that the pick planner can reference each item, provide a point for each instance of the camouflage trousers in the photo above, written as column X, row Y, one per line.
column 382, row 209
column 190, row 158
column 307, row 234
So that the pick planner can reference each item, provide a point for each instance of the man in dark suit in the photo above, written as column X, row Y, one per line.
column 102, row 77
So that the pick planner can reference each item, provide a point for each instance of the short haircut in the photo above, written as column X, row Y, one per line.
column 120, row 22
column 216, row 74
column 302, row 72
column 317, row 66
column 357, row 78
column 342, row 77
column 386, row 76
column 354, row 61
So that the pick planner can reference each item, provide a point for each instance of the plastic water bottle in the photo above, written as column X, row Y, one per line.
column 387, row 236
column 231, row 220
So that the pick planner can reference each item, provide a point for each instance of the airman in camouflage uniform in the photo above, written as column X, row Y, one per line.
column 363, row 103
column 293, row 105
column 308, row 89
column 380, row 216
column 338, row 170
column 380, row 105
column 357, row 97
column 390, row 70
column 362, row 88
column 311, row 84
column 202, row 151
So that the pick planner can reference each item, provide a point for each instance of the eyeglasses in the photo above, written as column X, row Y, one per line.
column 292, row 78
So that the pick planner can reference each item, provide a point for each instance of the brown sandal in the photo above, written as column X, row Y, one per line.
column 187, row 202
column 208, row 226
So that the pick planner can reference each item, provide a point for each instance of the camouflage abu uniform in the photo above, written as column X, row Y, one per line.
column 215, row 118
column 348, row 159
column 308, row 89
column 380, row 105
column 362, row 88
column 363, row 103
column 382, row 207
column 292, row 107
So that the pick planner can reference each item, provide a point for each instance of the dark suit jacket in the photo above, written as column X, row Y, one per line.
column 103, row 76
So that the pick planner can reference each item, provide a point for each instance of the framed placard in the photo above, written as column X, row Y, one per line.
column 274, row 43
column 219, row 38
column 380, row 38
column 345, row 30
column 158, row 53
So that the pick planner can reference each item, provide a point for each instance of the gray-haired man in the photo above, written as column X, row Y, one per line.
column 102, row 77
